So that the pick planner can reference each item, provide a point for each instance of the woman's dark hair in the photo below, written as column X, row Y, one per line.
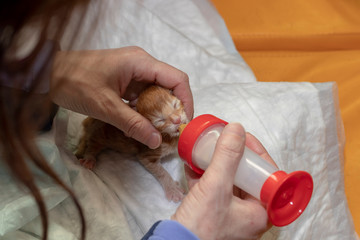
column 24, row 102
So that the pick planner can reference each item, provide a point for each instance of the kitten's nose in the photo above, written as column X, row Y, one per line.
column 175, row 119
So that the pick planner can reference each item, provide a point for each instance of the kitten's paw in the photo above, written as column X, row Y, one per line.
column 87, row 163
column 174, row 192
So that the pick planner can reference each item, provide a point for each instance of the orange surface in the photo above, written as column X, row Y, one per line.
column 310, row 41
column 296, row 24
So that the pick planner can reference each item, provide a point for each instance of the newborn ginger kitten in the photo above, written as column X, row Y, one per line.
column 165, row 112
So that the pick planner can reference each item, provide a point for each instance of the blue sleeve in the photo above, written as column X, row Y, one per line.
column 168, row 229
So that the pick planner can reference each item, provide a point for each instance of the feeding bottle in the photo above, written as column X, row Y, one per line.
column 285, row 195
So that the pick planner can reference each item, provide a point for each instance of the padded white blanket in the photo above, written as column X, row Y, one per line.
column 298, row 123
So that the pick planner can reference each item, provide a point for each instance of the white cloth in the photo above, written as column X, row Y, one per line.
column 298, row 123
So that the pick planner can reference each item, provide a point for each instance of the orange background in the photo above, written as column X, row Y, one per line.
column 306, row 41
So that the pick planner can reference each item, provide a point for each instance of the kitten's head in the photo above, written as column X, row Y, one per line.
column 164, row 110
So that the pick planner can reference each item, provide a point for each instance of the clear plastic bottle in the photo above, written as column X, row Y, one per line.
column 285, row 195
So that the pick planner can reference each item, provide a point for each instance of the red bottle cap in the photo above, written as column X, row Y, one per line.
column 286, row 196
column 191, row 133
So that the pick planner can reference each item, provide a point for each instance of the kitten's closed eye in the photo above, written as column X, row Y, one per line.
column 176, row 104
column 159, row 121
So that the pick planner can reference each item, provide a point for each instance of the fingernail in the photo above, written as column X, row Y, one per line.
column 154, row 140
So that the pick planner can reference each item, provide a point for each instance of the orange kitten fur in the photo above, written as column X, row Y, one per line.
column 165, row 112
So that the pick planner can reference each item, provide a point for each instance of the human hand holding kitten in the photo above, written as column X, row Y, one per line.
column 95, row 82
column 165, row 112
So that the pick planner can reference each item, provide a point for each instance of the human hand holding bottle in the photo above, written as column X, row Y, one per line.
column 213, row 208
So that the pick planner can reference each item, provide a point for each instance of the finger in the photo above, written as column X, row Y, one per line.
column 248, row 197
column 191, row 177
column 153, row 71
column 228, row 152
column 237, row 192
column 134, row 89
column 254, row 144
column 133, row 124
column 172, row 78
column 136, row 126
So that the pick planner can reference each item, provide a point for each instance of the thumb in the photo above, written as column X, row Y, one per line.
column 228, row 152
column 134, row 125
